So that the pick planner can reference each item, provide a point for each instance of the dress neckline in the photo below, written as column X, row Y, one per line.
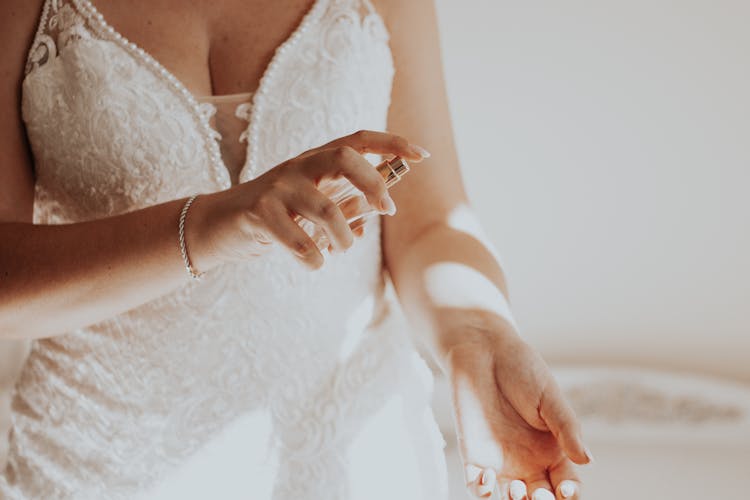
column 225, row 98
column 97, row 20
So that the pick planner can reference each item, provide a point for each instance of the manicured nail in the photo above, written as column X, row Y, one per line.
column 568, row 488
column 542, row 494
column 517, row 490
column 420, row 151
column 472, row 473
column 387, row 205
column 487, row 484
column 588, row 454
column 488, row 477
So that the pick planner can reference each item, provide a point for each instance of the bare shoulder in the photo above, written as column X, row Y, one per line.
column 18, row 24
column 397, row 12
column 412, row 26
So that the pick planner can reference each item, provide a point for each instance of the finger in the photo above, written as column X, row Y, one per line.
column 565, row 480
column 486, row 484
column 561, row 420
column 370, row 141
column 539, row 488
column 290, row 234
column 501, row 490
column 346, row 161
column 480, row 482
column 318, row 208
column 472, row 473
column 569, row 490
column 517, row 490
column 358, row 226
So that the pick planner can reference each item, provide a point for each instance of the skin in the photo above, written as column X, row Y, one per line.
column 56, row 278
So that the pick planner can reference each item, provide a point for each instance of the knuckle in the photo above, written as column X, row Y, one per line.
column 303, row 246
column 344, row 154
column 263, row 204
column 292, row 168
column 328, row 209
column 376, row 185
column 399, row 143
column 361, row 135
column 278, row 185
column 281, row 170
column 568, row 426
column 575, row 428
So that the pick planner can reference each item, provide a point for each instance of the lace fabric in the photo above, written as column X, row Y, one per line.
column 230, row 115
column 109, row 410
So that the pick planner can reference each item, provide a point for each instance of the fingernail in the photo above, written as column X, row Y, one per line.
column 420, row 151
column 542, row 494
column 568, row 488
column 517, row 490
column 482, row 490
column 472, row 473
column 387, row 205
column 588, row 454
column 487, row 484
column 488, row 477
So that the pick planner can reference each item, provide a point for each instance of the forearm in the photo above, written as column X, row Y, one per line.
column 54, row 278
column 451, row 286
column 57, row 278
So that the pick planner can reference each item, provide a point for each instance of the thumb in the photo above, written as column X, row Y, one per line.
column 562, row 422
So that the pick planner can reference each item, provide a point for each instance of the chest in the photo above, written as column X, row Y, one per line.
column 115, row 127
column 215, row 48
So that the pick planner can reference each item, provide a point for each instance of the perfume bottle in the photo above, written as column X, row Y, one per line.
column 351, row 200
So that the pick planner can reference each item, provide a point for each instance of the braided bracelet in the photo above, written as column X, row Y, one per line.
column 181, row 230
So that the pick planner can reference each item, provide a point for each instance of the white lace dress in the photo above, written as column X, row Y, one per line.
column 113, row 409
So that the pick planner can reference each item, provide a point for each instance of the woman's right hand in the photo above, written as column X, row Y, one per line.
column 232, row 224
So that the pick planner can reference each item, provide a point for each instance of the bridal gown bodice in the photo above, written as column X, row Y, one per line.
column 111, row 409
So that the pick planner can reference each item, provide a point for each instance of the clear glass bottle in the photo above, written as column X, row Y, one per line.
column 351, row 200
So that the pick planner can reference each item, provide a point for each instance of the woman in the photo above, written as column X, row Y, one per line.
column 131, row 111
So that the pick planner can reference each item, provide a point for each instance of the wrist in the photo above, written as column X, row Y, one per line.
column 474, row 329
column 200, row 228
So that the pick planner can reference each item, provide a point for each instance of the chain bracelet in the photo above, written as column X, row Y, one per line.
column 181, row 230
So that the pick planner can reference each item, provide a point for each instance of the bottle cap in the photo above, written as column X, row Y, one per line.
column 392, row 170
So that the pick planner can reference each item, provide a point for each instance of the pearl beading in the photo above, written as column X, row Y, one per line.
column 250, row 167
column 37, row 38
column 105, row 30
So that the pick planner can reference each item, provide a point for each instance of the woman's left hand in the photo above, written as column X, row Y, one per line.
column 518, row 436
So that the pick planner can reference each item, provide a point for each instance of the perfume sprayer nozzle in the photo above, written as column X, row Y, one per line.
column 392, row 170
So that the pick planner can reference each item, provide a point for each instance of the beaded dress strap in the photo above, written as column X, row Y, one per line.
column 42, row 46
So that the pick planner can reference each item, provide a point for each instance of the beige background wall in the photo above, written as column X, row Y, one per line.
column 605, row 144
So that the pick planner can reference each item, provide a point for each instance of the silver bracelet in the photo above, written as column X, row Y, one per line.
column 181, row 230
